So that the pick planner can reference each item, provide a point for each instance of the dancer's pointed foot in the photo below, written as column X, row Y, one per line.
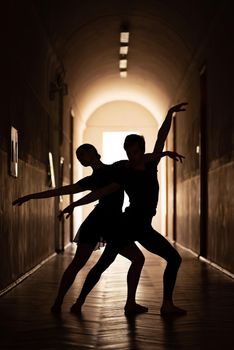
column 171, row 310
column 56, row 308
column 76, row 308
column 131, row 310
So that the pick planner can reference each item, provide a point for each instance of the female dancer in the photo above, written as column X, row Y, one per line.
column 102, row 221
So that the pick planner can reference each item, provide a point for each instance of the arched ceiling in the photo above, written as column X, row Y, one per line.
column 163, row 38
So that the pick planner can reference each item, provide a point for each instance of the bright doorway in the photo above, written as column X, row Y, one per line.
column 112, row 150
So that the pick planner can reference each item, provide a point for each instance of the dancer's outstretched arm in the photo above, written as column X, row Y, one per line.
column 90, row 197
column 106, row 190
column 173, row 155
column 149, row 157
column 59, row 191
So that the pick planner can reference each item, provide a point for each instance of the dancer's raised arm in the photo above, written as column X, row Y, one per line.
column 158, row 153
column 166, row 125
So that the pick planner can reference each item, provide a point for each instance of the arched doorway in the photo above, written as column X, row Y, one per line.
column 123, row 117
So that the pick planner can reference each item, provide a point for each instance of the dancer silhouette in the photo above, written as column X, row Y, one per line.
column 103, row 220
column 138, row 177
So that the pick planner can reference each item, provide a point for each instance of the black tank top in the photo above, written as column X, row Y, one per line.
column 141, row 186
column 100, row 178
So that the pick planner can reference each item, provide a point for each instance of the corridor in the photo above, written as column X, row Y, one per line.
column 77, row 72
column 207, row 294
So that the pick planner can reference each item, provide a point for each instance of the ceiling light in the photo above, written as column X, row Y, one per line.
column 124, row 37
column 123, row 50
column 123, row 74
column 123, row 64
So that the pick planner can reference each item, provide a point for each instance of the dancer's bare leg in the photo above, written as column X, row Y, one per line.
column 134, row 254
column 159, row 245
column 108, row 256
column 83, row 253
column 131, row 252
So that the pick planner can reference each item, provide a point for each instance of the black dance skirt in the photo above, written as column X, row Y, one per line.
column 100, row 226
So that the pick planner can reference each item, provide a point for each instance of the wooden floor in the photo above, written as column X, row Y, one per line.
column 207, row 294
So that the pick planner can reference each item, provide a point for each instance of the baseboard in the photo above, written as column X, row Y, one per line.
column 216, row 266
column 226, row 272
column 29, row 273
column 26, row 275
column 187, row 249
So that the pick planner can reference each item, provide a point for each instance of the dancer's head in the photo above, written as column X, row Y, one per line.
column 134, row 146
column 87, row 154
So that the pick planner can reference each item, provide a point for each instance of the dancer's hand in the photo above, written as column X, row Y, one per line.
column 69, row 210
column 176, row 156
column 178, row 108
column 21, row 200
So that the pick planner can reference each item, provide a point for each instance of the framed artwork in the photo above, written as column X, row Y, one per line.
column 14, row 152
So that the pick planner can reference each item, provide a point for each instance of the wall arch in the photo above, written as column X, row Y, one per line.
column 123, row 116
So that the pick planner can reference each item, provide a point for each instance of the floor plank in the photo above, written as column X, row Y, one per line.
column 207, row 294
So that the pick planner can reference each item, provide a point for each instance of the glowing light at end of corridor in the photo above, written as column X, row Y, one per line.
column 101, row 96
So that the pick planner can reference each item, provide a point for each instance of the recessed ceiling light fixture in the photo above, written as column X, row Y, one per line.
column 123, row 50
column 123, row 63
column 124, row 37
column 123, row 73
